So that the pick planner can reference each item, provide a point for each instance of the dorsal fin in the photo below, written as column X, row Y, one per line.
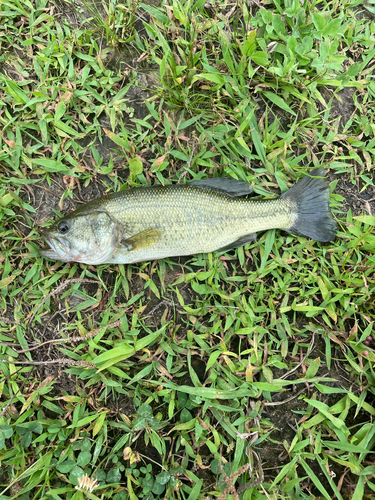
column 227, row 185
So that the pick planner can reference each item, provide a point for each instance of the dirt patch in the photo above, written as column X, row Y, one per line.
column 284, row 420
column 342, row 105
column 360, row 199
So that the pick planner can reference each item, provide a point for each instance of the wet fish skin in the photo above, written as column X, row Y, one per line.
column 155, row 222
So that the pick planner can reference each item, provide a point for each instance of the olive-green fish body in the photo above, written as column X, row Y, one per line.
column 165, row 221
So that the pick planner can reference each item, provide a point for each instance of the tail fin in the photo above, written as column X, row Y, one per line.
column 311, row 197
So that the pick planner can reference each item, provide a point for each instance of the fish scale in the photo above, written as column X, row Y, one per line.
column 202, row 226
column 155, row 222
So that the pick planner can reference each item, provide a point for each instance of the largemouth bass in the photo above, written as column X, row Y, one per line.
column 210, row 215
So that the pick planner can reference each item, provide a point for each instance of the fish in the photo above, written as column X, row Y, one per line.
column 209, row 215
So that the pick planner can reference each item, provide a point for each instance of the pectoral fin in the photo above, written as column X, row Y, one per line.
column 144, row 239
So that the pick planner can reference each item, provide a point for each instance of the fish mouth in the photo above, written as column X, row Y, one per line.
column 59, row 249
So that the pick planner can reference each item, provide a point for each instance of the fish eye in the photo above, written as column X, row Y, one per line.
column 64, row 227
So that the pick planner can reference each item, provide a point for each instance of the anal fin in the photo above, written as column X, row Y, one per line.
column 238, row 243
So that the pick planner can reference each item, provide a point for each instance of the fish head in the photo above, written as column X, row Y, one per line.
column 89, row 238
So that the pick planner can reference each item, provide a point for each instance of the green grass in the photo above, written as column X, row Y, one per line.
column 187, row 378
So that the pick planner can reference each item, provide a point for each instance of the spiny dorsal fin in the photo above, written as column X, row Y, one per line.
column 144, row 239
column 227, row 185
